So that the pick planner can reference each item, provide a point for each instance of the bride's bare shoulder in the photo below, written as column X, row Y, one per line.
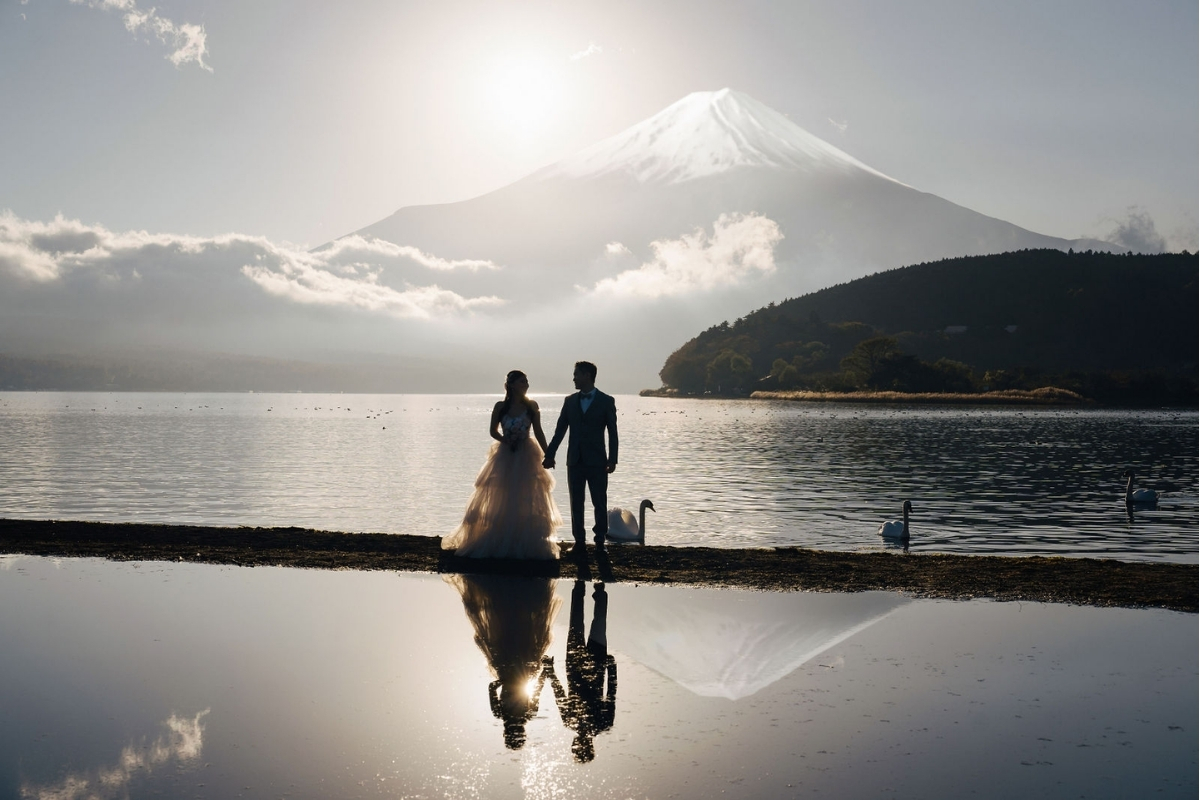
column 533, row 406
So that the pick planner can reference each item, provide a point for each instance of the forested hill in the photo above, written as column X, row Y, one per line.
column 1013, row 320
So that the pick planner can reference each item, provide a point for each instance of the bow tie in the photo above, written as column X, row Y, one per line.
column 587, row 395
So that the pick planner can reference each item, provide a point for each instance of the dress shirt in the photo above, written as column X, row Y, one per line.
column 585, row 399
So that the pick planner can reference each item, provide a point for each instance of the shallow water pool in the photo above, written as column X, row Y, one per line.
column 137, row 679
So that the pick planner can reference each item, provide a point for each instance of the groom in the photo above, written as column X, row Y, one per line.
column 587, row 414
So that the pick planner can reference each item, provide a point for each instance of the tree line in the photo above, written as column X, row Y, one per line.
column 1120, row 329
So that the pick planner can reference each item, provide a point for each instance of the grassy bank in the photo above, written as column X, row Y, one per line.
column 1048, row 396
column 1080, row 581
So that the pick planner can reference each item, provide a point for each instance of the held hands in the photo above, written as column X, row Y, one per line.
column 548, row 463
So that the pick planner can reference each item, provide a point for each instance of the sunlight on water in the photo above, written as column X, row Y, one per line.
column 720, row 473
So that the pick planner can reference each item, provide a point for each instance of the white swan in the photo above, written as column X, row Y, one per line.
column 1141, row 496
column 892, row 529
column 622, row 527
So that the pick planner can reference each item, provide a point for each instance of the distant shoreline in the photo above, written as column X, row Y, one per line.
column 1081, row 581
column 1048, row 396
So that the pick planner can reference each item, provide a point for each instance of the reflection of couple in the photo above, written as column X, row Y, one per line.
column 587, row 708
column 512, row 513
column 512, row 619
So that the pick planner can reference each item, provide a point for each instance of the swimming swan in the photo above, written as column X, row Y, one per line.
column 1137, row 495
column 622, row 527
column 896, row 530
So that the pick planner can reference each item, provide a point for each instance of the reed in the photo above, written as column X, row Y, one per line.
column 1047, row 395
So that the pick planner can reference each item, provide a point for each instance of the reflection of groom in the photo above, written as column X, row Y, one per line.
column 587, row 414
column 587, row 710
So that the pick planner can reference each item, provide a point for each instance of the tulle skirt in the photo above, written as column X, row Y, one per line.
column 512, row 617
column 512, row 513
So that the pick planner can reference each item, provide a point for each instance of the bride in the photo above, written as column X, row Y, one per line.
column 512, row 513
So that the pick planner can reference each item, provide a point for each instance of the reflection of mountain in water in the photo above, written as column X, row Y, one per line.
column 733, row 644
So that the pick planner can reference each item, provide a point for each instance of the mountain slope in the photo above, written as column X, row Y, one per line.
column 709, row 154
column 645, row 193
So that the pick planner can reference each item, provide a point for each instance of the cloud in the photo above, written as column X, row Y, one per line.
column 189, row 41
column 1137, row 232
column 356, row 244
column 301, row 278
column 740, row 247
column 841, row 126
column 1184, row 237
column 616, row 250
column 45, row 251
column 345, row 274
column 592, row 49
column 183, row 742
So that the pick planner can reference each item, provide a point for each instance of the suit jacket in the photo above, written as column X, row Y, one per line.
column 586, row 445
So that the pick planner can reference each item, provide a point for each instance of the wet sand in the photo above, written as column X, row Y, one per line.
column 1081, row 581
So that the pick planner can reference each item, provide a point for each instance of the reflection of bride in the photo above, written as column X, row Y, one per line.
column 512, row 513
column 512, row 618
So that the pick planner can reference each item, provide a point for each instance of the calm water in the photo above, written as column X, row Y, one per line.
column 182, row 680
column 724, row 474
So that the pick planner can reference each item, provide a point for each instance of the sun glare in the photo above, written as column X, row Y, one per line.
column 525, row 96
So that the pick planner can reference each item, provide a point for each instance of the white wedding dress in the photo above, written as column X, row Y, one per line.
column 512, row 513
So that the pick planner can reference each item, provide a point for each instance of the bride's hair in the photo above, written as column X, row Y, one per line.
column 515, row 375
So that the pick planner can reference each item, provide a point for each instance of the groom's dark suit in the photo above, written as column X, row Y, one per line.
column 587, row 461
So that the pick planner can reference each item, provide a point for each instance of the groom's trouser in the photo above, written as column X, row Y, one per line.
column 596, row 481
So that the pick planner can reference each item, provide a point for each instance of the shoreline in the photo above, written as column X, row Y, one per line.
column 1078, row 581
column 1048, row 396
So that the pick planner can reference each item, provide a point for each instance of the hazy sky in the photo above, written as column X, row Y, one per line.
column 300, row 121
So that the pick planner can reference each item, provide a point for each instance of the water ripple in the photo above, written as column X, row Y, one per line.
column 725, row 474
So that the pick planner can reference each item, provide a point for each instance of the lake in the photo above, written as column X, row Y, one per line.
column 1029, row 481
column 186, row 680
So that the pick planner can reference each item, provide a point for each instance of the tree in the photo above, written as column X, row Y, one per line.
column 868, row 360
column 786, row 375
column 729, row 371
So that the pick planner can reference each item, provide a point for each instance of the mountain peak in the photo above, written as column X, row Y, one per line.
column 703, row 134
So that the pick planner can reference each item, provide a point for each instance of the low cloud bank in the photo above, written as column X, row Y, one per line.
column 741, row 247
column 349, row 273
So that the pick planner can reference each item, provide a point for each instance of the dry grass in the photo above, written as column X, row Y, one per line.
column 1048, row 395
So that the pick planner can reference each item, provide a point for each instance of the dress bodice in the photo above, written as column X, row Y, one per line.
column 515, row 427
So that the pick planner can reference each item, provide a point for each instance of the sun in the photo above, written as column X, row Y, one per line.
column 525, row 96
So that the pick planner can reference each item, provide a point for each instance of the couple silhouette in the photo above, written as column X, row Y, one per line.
column 512, row 513
column 512, row 617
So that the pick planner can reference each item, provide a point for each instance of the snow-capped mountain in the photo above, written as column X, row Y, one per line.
column 619, row 254
column 713, row 207
column 705, row 134
column 709, row 154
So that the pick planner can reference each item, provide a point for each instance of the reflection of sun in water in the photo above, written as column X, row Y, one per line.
column 525, row 95
column 530, row 687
